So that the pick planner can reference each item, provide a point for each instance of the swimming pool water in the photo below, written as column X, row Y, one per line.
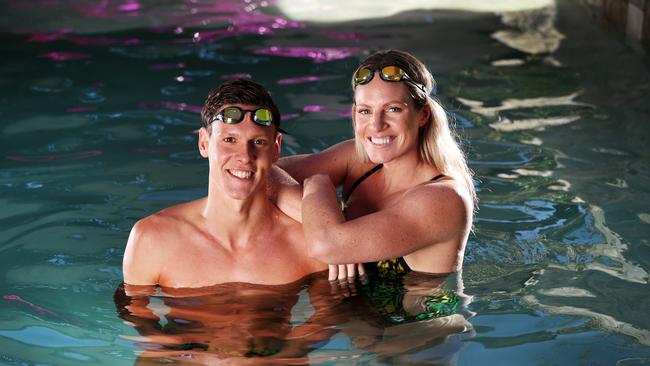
column 99, row 104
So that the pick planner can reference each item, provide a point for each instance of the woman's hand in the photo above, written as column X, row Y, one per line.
column 346, row 272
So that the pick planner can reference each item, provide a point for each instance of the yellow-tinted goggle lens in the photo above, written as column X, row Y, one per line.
column 263, row 116
column 392, row 73
column 232, row 115
column 363, row 76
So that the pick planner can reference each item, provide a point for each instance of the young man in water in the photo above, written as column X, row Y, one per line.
column 235, row 234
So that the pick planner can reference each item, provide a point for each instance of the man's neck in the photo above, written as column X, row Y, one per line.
column 237, row 223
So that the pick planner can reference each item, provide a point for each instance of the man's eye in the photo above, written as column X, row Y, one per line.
column 259, row 142
column 229, row 140
column 363, row 111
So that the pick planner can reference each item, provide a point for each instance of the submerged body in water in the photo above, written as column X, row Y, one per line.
column 297, row 322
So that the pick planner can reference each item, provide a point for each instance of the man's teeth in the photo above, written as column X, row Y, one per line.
column 241, row 174
column 380, row 140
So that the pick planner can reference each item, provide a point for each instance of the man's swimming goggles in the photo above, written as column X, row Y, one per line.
column 234, row 115
column 387, row 73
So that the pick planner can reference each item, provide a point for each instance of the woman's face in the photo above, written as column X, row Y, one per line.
column 386, row 120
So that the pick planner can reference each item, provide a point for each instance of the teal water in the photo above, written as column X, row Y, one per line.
column 98, row 110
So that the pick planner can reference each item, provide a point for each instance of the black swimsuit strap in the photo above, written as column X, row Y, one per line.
column 437, row 177
column 361, row 179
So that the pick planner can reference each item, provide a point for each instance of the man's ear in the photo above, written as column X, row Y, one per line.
column 278, row 145
column 204, row 141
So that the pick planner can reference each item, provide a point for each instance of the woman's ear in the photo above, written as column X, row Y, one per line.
column 424, row 115
column 204, row 141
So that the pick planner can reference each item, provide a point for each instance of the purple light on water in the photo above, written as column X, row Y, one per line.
column 314, row 108
column 38, row 309
column 344, row 113
column 242, row 75
column 158, row 67
column 130, row 6
column 318, row 55
column 341, row 112
column 65, row 56
column 48, row 37
column 290, row 116
column 300, row 80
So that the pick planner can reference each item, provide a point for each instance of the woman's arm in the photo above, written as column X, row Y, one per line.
column 333, row 161
column 426, row 215
column 287, row 175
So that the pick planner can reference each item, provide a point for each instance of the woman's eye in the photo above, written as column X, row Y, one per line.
column 394, row 109
column 363, row 111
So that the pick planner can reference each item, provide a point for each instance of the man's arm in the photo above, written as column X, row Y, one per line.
column 139, row 266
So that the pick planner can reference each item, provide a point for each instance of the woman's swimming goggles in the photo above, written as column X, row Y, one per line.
column 387, row 73
column 234, row 115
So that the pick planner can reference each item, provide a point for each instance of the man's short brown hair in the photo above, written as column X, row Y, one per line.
column 239, row 91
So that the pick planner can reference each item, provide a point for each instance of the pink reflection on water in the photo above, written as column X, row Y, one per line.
column 48, row 37
column 236, row 17
column 51, row 158
column 242, row 75
column 158, row 67
column 65, row 56
column 314, row 108
column 301, row 79
column 341, row 112
column 174, row 106
column 38, row 309
column 318, row 55
column 63, row 35
column 290, row 116
column 101, row 41
column 129, row 6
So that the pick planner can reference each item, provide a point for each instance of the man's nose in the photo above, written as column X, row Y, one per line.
column 246, row 153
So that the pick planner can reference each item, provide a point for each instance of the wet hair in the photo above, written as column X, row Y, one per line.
column 437, row 143
column 239, row 91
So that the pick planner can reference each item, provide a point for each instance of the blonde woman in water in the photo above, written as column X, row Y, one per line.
column 408, row 195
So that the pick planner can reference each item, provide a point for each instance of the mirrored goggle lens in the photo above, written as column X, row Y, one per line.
column 392, row 73
column 263, row 116
column 232, row 115
column 363, row 76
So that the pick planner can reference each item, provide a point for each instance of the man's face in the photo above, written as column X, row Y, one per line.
column 240, row 154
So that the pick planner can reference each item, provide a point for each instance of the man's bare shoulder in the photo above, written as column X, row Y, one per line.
column 153, row 239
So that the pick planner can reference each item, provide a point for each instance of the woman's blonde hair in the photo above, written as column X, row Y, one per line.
column 437, row 143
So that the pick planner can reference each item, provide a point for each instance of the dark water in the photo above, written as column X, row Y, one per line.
column 99, row 105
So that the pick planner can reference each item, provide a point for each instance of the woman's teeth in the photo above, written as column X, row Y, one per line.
column 380, row 140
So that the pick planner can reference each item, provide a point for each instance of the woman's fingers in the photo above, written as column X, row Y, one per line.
column 333, row 272
column 351, row 270
column 361, row 269
column 342, row 272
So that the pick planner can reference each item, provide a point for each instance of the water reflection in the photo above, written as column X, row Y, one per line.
column 309, row 321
